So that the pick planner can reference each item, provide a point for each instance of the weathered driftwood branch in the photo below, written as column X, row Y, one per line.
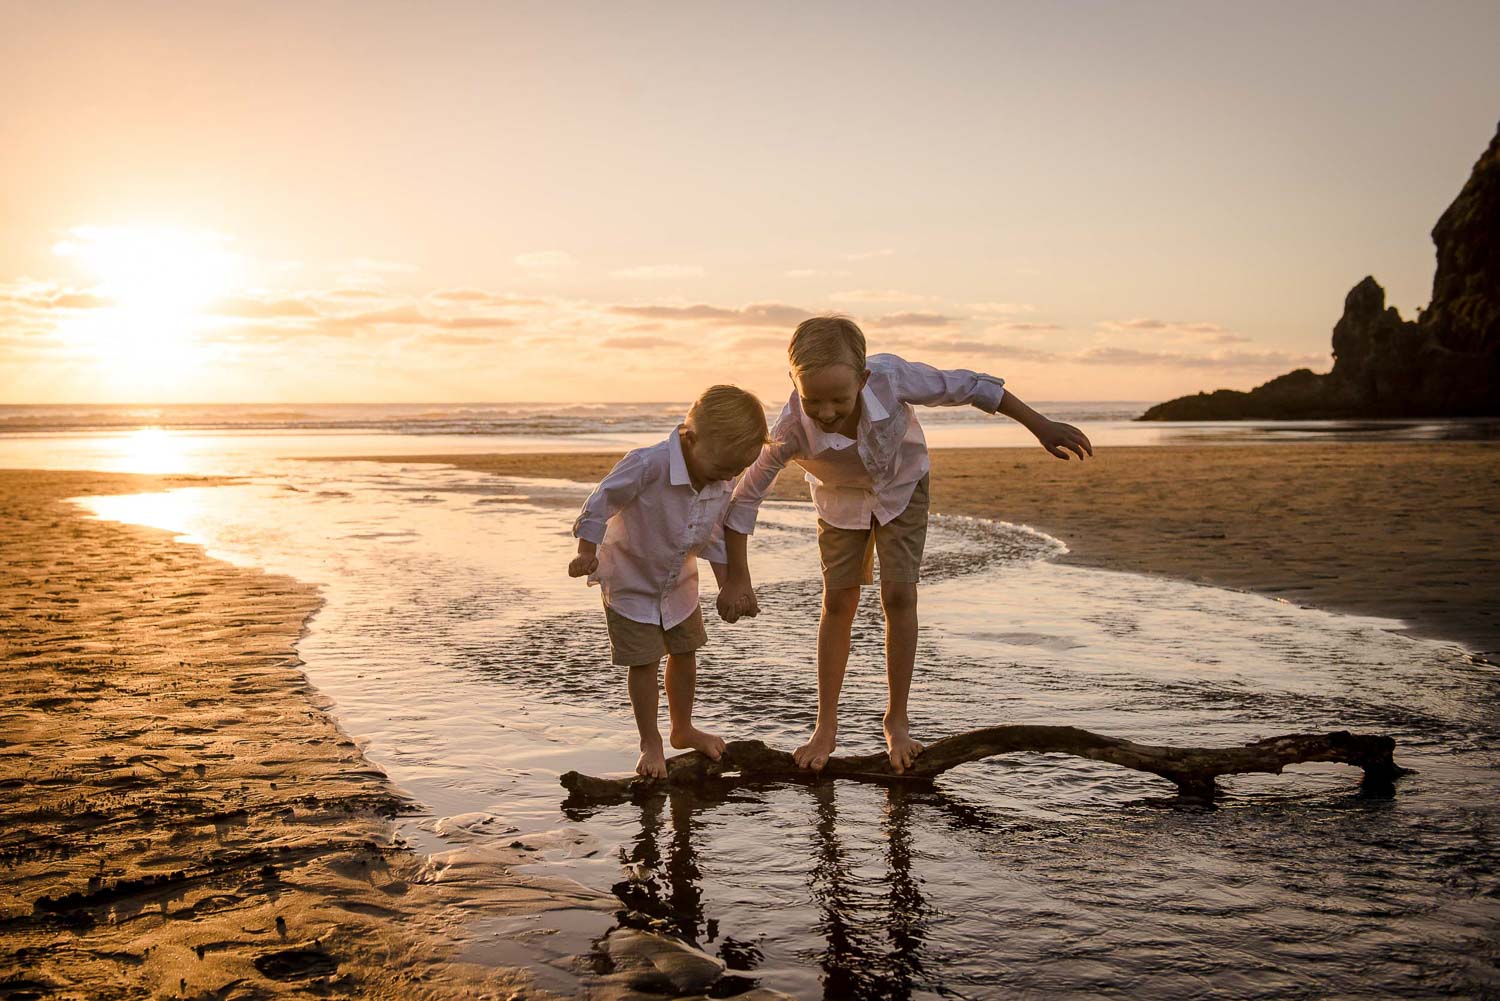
column 1192, row 769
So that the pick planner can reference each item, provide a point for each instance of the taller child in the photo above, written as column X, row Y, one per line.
column 850, row 424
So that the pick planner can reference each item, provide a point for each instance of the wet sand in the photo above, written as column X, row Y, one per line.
column 180, row 815
column 1398, row 530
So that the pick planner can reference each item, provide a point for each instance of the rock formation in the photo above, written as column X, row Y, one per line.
column 1445, row 364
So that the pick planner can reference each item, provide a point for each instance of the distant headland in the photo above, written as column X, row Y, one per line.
column 1446, row 363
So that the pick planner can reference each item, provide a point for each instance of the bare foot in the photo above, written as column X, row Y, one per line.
column 902, row 749
column 698, row 740
column 652, row 763
column 814, row 754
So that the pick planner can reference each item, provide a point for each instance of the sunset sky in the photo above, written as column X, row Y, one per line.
column 551, row 201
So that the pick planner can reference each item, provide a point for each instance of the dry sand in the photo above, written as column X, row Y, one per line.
column 180, row 815
column 1400, row 530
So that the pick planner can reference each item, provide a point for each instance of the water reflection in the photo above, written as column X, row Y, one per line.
column 871, row 921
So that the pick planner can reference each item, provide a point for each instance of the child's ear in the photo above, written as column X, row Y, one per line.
column 689, row 436
column 864, row 377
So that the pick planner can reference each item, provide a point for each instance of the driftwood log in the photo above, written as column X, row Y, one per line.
column 1192, row 769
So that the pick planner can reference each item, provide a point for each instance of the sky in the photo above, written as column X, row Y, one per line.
column 372, row 202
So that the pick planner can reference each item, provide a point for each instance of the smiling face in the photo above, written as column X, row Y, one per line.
column 830, row 396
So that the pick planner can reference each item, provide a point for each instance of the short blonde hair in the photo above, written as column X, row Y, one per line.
column 822, row 341
column 731, row 418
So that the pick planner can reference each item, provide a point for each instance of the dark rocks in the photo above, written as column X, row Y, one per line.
column 1445, row 364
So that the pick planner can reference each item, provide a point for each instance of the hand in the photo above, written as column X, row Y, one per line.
column 737, row 600
column 583, row 565
column 1056, row 436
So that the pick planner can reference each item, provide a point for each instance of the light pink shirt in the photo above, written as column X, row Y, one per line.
column 651, row 525
column 873, row 474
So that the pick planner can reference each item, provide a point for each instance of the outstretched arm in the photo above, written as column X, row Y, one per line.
column 1056, row 437
column 933, row 387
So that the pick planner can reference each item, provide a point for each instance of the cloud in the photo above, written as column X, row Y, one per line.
column 546, row 262
column 457, row 340
column 655, row 271
column 477, row 322
column 474, row 296
column 645, row 343
column 1021, row 327
column 31, row 296
column 1245, row 360
column 878, row 295
column 1143, row 324
column 866, row 255
column 251, row 308
column 988, row 349
column 913, row 320
column 1002, row 308
column 756, row 314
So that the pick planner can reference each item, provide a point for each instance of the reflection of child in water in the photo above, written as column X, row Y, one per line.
column 639, row 536
column 851, row 425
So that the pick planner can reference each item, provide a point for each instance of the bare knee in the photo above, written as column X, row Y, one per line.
column 898, row 598
column 840, row 602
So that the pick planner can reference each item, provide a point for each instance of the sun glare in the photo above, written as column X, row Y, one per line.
column 157, row 283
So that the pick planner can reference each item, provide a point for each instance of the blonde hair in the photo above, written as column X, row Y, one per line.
column 822, row 341
column 731, row 418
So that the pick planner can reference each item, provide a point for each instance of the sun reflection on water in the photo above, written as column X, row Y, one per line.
column 150, row 450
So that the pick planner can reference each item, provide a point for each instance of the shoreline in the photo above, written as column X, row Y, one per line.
column 1395, row 530
column 182, row 816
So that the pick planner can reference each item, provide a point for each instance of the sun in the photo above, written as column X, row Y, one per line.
column 155, row 285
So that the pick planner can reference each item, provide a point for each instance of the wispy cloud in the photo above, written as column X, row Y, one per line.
column 1179, row 330
column 756, row 314
column 642, row 343
column 1231, row 360
column 913, row 320
column 1001, row 308
column 1026, row 327
column 868, row 255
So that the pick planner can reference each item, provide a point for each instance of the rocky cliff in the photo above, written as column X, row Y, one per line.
column 1445, row 364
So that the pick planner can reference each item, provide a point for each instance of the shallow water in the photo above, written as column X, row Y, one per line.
column 475, row 672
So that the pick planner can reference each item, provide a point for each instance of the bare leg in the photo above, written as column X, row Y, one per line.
column 643, row 699
column 900, row 604
column 839, row 606
column 682, row 678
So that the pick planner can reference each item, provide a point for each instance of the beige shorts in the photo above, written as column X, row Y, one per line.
column 848, row 554
column 633, row 643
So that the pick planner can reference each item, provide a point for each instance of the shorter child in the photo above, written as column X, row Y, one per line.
column 639, row 536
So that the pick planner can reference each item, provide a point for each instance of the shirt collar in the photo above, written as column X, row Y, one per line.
column 676, row 462
column 874, row 409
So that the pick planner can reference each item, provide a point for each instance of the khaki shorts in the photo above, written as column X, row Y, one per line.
column 633, row 643
column 848, row 554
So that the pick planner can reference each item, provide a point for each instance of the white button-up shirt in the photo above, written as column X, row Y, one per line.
column 651, row 525
column 873, row 474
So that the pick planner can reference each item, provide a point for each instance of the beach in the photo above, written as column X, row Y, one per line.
column 185, row 815
column 1399, row 530
column 182, row 817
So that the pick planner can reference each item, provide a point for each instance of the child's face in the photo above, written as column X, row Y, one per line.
column 708, row 460
column 829, row 395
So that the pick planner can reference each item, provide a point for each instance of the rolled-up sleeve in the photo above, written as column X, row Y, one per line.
column 619, row 488
column 933, row 387
column 713, row 550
